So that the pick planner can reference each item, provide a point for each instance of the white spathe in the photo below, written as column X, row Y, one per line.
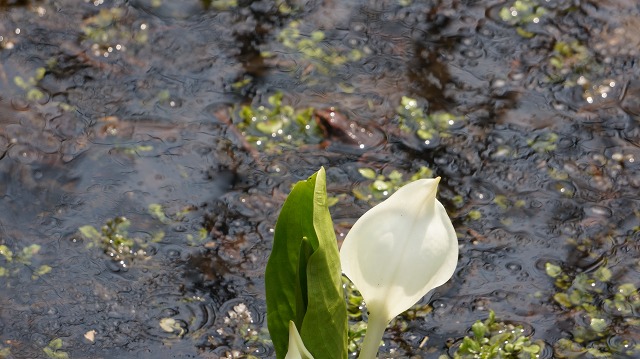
column 296, row 350
column 397, row 252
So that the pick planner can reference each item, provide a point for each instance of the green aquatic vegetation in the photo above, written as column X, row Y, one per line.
column 506, row 203
column 158, row 212
column 303, row 277
column 355, row 308
column 29, row 84
column 545, row 142
column 313, row 48
column 15, row 262
column 114, row 239
column 278, row 125
column 474, row 214
column 34, row 92
column 412, row 119
column 498, row 340
column 108, row 32
column 199, row 238
column 569, row 56
column 571, row 64
column 522, row 13
column 607, row 308
column 381, row 186
column 52, row 350
column 134, row 150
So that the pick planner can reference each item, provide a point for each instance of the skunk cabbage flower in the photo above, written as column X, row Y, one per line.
column 397, row 252
column 297, row 349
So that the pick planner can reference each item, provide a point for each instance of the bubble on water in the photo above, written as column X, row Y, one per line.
column 481, row 195
column 513, row 267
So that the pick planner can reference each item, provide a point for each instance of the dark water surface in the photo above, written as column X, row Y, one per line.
column 130, row 109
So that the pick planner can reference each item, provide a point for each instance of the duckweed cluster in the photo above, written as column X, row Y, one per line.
column 114, row 239
column 313, row 49
column 522, row 13
column 14, row 263
column 383, row 185
column 413, row 119
column 52, row 350
column 606, row 311
column 33, row 91
column 30, row 84
column 278, row 126
column 571, row 62
column 497, row 340
column 108, row 31
column 544, row 142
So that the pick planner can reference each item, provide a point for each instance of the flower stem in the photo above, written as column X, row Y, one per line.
column 375, row 330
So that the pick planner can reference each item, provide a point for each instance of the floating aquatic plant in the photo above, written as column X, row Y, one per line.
column 15, row 262
column 312, row 48
column 413, row 119
column 498, row 340
column 609, row 319
column 114, row 239
column 383, row 185
column 522, row 13
column 278, row 125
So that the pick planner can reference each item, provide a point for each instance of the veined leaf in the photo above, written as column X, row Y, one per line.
column 303, row 276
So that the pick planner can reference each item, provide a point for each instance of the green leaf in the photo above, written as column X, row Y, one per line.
column 563, row 299
column 469, row 346
column 532, row 349
column 28, row 253
column 367, row 173
column 627, row 289
column 603, row 274
column 599, row 325
column 6, row 252
column 55, row 344
column 303, row 276
column 89, row 232
column 42, row 270
column 270, row 126
column 157, row 212
column 552, row 270
column 479, row 330
column 379, row 185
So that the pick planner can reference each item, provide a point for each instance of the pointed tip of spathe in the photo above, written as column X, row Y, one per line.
column 435, row 182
